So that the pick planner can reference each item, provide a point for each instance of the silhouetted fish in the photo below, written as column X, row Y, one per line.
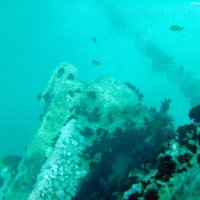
column 176, row 28
column 96, row 63
column 195, row 114
column 94, row 39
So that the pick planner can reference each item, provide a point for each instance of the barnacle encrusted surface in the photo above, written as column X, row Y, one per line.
column 92, row 135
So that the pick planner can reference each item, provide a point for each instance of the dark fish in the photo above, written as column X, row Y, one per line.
column 96, row 63
column 176, row 28
column 195, row 114
column 94, row 39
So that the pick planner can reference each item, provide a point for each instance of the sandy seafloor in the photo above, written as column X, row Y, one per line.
column 36, row 36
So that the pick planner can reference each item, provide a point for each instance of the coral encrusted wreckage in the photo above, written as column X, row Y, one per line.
column 97, row 141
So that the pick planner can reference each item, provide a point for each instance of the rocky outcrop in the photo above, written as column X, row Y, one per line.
column 92, row 136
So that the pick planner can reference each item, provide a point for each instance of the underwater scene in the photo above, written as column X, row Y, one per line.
column 100, row 100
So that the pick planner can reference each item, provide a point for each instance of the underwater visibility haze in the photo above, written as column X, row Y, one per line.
column 141, row 56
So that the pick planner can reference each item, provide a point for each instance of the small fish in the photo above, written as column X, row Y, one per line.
column 138, row 174
column 96, row 63
column 176, row 28
column 94, row 39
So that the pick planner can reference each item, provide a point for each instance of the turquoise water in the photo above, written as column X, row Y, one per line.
column 36, row 36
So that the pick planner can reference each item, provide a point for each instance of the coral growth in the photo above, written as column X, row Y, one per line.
column 96, row 142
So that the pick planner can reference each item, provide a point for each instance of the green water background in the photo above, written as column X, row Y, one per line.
column 36, row 36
